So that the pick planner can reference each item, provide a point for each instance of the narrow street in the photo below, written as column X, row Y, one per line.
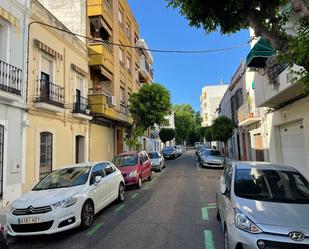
column 174, row 210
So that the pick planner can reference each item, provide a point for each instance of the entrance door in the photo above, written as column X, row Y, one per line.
column 1, row 158
column 79, row 149
column 244, row 147
column 293, row 146
column 119, row 141
column 259, row 151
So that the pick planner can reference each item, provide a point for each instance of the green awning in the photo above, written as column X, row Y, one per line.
column 259, row 54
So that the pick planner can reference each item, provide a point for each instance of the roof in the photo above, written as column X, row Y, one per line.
column 262, row 165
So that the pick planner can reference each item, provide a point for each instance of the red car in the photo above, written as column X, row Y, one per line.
column 134, row 166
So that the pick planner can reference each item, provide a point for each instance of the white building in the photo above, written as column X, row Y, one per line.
column 13, row 121
column 210, row 100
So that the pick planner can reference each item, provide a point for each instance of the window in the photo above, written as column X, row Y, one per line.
column 126, row 160
column 97, row 171
column 128, row 30
column 108, row 169
column 120, row 17
column 129, row 63
column 4, row 35
column 122, row 95
column 46, row 154
column 121, row 56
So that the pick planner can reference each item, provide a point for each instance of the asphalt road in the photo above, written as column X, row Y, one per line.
column 173, row 211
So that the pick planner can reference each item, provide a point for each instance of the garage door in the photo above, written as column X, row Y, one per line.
column 293, row 145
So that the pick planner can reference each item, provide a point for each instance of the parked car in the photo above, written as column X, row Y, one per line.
column 169, row 152
column 66, row 198
column 134, row 166
column 211, row 158
column 263, row 206
column 196, row 144
column 157, row 161
column 3, row 240
column 200, row 151
column 178, row 150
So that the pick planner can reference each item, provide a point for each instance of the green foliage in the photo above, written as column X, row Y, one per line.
column 167, row 134
column 184, row 121
column 208, row 134
column 222, row 129
column 150, row 106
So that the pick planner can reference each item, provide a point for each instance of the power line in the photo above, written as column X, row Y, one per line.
column 141, row 48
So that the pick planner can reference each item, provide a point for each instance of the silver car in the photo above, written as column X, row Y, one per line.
column 211, row 158
column 157, row 161
column 263, row 206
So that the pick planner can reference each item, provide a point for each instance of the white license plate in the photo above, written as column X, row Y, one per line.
column 29, row 220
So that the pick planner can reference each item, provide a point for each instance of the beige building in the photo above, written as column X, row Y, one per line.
column 116, row 71
column 58, row 110
column 210, row 100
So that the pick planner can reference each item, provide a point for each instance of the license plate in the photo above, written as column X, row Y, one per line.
column 29, row 220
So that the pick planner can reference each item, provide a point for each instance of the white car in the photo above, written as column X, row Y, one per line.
column 66, row 198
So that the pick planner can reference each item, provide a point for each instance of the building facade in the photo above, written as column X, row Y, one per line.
column 116, row 68
column 210, row 99
column 58, row 108
column 13, row 118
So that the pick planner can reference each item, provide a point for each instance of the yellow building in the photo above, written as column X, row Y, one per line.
column 58, row 110
column 115, row 71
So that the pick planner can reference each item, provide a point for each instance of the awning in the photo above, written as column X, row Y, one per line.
column 48, row 50
column 259, row 54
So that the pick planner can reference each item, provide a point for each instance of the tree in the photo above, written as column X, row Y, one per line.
column 208, row 134
column 167, row 134
column 222, row 130
column 267, row 18
column 148, row 107
column 184, row 121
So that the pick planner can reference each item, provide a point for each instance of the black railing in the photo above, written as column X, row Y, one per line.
column 50, row 93
column 10, row 78
column 81, row 105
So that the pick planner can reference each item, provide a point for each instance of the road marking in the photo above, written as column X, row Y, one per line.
column 94, row 229
column 212, row 204
column 209, row 241
column 120, row 208
column 205, row 215
column 133, row 196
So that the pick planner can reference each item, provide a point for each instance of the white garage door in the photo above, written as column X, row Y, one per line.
column 293, row 145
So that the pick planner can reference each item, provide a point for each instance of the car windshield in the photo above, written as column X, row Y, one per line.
column 271, row 185
column 167, row 149
column 211, row 153
column 126, row 160
column 64, row 178
column 153, row 155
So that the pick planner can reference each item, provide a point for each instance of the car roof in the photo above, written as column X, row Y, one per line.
column 262, row 165
column 153, row 152
column 128, row 153
column 86, row 164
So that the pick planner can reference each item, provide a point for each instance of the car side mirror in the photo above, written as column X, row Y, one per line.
column 97, row 180
column 223, row 189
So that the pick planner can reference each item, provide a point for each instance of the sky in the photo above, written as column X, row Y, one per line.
column 182, row 74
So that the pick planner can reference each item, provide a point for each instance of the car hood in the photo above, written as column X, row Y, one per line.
column 168, row 152
column 276, row 214
column 155, row 161
column 214, row 158
column 127, row 169
column 46, row 197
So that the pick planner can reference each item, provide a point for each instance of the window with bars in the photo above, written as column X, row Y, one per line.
column 46, row 153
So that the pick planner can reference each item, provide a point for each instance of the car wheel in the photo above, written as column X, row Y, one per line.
column 121, row 193
column 226, row 239
column 87, row 215
column 218, row 214
column 139, row 183
column 160, row 168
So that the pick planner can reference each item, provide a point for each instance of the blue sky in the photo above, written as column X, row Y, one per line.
column 185, row 75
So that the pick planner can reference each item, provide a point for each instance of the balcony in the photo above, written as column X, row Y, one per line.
column 99, row 107
column 247, row 116
column 101, row 55
column 49, row 96
column 145, row 70
column 81, row 108
column 100, row 8
column 10, row 82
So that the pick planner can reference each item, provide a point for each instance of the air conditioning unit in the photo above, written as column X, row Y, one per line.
column 111, row 100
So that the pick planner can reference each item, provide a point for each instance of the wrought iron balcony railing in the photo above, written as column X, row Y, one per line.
column 81, row 105
column 49, row 93
column 10, row 78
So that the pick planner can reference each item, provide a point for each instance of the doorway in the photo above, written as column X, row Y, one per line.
column 80, row 149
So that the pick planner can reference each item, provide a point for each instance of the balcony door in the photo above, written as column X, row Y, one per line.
column 77, row 99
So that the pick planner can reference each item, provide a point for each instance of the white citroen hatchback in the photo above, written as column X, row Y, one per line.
column 66, row 198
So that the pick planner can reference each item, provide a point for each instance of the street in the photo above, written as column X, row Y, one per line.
column 174, row 210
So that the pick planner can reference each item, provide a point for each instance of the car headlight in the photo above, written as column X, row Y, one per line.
column 244, row 223
column 65, row 203
column 151, row 163
column 133, row 173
